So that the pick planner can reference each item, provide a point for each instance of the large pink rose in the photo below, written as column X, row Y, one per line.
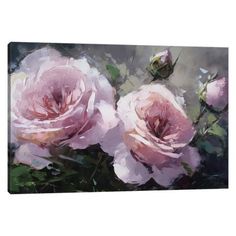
column 59, row 100
column 151, row 140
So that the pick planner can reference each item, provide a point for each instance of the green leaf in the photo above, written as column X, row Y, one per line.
column 206, row 146
column 56, row 179
column 39, row 175
column 19, row 170
column 19, row 175
column 29, row 184
column 211, row 118
column 193, row 111
column 187, row 168
column 14, row 187
column 113, row 71
column 217, row 130
column 131, row 83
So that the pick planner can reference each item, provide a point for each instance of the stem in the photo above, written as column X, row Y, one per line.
column 96, row 168
column 212, row 77
column 210, row 125
column 197, row 136
column 203, row 111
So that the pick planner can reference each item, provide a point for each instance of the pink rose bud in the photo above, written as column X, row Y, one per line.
column 216, row 93
column 161, row 65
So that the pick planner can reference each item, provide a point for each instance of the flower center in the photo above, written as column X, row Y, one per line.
column 158, row 126
column 51, row 105
column 53, row 95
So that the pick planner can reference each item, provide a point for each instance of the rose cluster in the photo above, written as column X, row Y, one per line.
column 56, row 100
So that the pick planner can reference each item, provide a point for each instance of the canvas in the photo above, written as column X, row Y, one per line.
column 88, row 118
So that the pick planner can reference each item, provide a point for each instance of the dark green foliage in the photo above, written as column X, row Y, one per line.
column 90, row 170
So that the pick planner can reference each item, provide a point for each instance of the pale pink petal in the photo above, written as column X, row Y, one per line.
column 104, row 89
column 91, row 104
column 40, row 61
column 112, row 140
column 147, row 151
column 108, row 115
column 191, row 157
column 125, row 166
column 126, row 111
column 90, row 134
column 128, row 169
column 31, row 62
column 81, row 64
column 166, row 176
column 95, row 81
column 145, row 90
column 87, row 138
column 104, row 120
column 32, row 155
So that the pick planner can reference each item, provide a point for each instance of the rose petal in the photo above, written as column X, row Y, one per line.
column 104, row 90
column 145, row 90
column 166, row 176
column 128, row 169
column 40, row 61
column 81, row 64
column 101, row 123
column 191, row 157
column 90, row 137
column 147, row 151
column 112, row 140
column 125, row 166
column 108, row 114
column 32, row 155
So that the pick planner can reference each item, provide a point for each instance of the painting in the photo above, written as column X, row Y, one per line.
column 91, row 118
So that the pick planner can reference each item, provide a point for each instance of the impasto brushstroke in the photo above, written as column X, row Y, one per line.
column 117, row 118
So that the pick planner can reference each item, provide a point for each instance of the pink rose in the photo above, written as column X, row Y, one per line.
column 216, row 94
column 151, row 140
column 59, row 100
